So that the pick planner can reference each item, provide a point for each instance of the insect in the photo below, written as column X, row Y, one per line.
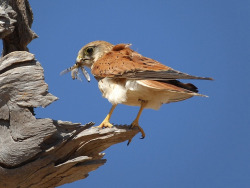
column 75, row 71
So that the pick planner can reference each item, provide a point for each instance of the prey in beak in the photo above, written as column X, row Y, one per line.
column 86, row 58
column 76, row 69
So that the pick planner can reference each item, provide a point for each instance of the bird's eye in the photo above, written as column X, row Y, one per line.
column 89, row 51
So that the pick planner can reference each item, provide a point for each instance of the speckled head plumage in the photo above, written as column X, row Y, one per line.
column 92, row 51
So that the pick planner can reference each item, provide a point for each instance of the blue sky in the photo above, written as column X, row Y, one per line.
column 200, row 142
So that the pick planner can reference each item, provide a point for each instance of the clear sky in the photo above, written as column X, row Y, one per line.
column 197, row 143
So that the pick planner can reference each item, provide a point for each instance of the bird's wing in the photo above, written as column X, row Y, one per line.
column 175, row 92
column 123, row 62
column 175, row 87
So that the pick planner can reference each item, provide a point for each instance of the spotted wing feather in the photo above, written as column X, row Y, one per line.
column 123, row 62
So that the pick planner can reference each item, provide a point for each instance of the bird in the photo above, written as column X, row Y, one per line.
column 126, row 77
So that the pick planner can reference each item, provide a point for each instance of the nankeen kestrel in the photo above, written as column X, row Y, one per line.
column 126, row 77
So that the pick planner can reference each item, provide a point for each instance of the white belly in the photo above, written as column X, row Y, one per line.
column 113, row 90
column 130, row 92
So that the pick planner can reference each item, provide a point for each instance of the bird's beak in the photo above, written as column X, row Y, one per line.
column 83, row 61
column 80, row 61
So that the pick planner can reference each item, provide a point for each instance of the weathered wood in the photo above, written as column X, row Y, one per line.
column 7, row 19
column 18, row 15
column 22, row 80
column 43, row 152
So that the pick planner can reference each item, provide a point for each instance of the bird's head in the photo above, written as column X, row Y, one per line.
column 92, row 51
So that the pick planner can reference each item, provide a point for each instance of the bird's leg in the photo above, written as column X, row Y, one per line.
column 135, row 123
column 105, row 122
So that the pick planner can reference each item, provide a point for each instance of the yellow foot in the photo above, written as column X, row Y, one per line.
column 135, row 124
column 105, row 124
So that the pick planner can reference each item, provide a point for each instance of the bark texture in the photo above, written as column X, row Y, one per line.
column 7, row 19
column 40, row 152
column 18, row 18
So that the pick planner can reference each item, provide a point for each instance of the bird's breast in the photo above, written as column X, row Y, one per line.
column 113, row 89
